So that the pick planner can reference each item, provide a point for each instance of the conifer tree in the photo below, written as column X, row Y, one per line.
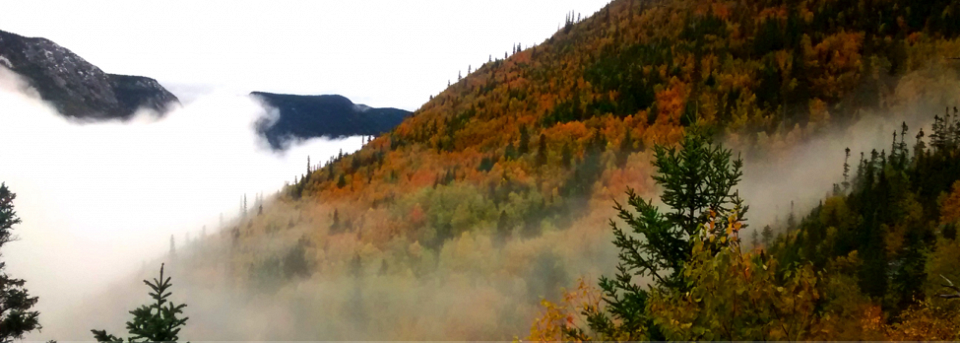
column 767, row 235
column 846, row 170
column 159, row 321
column 697, row 181
column 16, row 318
column 524, row 147
column 335, row 226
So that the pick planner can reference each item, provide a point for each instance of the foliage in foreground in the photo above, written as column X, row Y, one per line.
column 810, row 286
column 16, row 318
column 156, row 322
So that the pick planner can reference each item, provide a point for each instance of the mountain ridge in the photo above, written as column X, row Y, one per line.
column 329, row 115
column 76, row 87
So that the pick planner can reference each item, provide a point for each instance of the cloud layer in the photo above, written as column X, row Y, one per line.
column 97, row 200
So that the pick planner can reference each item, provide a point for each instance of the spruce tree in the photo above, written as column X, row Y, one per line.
column 159, row 321
column 335, row 226
column 767, row 235
column 542, row 150
column 846, row 170
column 16, row 318
column 697, row 181
column 524, row 147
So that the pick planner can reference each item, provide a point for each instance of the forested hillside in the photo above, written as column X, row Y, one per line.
column 497, row 192
column 874, row 261
column 523, row 141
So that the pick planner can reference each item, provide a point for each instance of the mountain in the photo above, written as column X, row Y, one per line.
column 500, row 188
column 306, row 116
column 570, row 119
column 77, row 88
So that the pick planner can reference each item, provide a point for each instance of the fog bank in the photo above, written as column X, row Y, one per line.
column 98, row 200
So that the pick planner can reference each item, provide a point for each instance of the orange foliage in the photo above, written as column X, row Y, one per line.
column 950, row 209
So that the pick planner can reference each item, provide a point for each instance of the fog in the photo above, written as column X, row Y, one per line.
column 801, row 167
column 98, row 200
column 99, row 203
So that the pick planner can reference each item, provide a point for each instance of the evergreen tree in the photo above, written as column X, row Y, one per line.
column 510, row 152
column 524, row 147
column 767, row 235
column 697, row 182
column 335, row 227
column 156, row 322
column 846, row 170
column 542, row 150
column 16, row 318
column 342, row 181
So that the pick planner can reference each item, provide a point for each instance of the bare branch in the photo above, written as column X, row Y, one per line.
column 950, row 285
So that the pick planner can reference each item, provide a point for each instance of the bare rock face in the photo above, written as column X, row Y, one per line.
column 76, row 87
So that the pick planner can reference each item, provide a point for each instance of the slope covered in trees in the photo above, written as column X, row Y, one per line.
column 873, row 262
column 524, row 141
column 494, row 193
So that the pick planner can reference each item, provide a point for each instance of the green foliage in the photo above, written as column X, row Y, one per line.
column 16, row 318
column 888, row 214
column 697, row 180
column 156, row 322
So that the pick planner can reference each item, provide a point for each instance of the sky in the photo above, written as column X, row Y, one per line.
column 382, row 53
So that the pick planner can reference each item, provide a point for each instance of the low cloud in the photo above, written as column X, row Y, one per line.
column 97, row 200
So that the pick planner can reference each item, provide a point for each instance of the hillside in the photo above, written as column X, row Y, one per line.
column 307, row 116
column 498, row 192
column 570, row 118
column 76, row 87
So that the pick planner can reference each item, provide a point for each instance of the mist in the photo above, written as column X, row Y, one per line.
column 799, row 168
column 97, row 201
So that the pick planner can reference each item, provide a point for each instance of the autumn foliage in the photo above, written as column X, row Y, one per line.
column 530, row 145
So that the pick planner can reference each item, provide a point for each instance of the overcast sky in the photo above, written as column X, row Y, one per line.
column 381, row 53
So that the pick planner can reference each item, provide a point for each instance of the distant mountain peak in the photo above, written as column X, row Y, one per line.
column 329, row 115
column 76, row 87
